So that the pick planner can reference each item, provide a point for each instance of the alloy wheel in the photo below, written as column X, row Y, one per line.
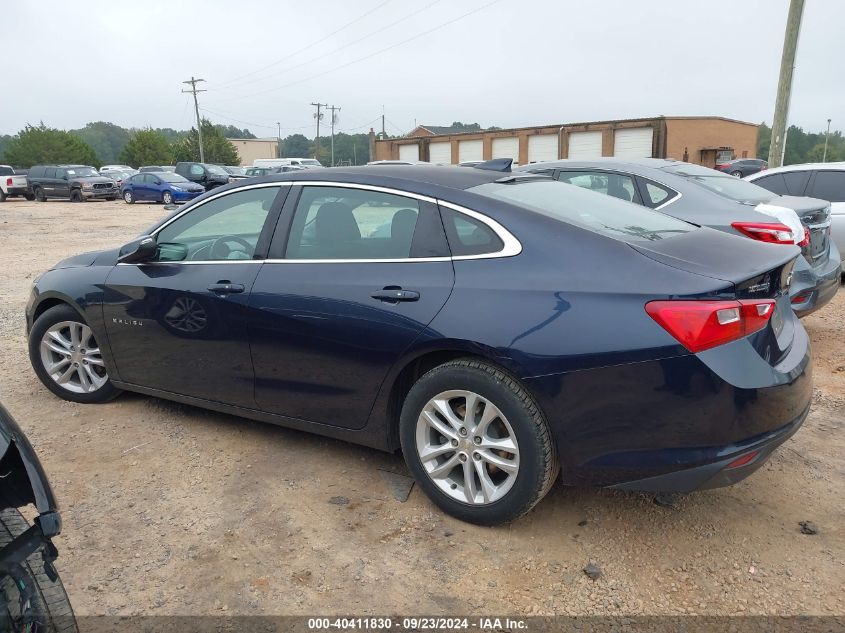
column 72, row 358
column 167, row 197
column 467, row 447
column 127, row 197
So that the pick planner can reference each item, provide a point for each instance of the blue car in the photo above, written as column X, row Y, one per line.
column 159, row 186
column 505, row 330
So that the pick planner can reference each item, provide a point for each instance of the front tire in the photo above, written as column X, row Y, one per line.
column 67, row 359
column 128, row 197
column 477, row 443
column 167, row 197
column 32, row 600
column 76, row 195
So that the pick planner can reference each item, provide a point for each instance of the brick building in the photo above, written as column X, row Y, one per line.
column 701, row 140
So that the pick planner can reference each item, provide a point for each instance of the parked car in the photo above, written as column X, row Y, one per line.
column 251, row 172
column 105, row 169
column 147, row 168
column 32, row 597
column 120, row 175
column 235, row 173
column 399, row 162
column 819, row 180
column 508, row 324
column 708, row 197
column 741, row 167
column 307, row 163
column 159, row 187
column 13, row 184
column 209, row 176
column 76, row 183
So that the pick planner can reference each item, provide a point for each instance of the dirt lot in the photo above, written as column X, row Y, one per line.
column 170, row 509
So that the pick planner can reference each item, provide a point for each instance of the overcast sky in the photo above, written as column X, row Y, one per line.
column 503, row 63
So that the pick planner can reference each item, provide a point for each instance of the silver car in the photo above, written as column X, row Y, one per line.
column 711, row 198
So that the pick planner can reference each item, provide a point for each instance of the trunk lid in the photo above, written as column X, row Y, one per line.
column 815, row 216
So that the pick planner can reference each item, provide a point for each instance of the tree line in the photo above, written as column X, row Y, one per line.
column 801, row 146
column 102, row 143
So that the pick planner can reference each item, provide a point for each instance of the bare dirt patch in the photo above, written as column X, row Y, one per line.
column 170, row 509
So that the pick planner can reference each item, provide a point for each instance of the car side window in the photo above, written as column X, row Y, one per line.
column 196, row 170
column 655, row 194
column 829, row 185
column 616, row 185
column 469, row 236
column 795, row 181
column 774, row 183
column 346, row 223
column 225, row 228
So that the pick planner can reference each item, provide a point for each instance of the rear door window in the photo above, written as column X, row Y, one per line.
column 611, row 184
column 829, row 185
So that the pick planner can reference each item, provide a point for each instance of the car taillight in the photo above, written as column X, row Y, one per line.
column 720, row 166
column 8, row 182
column 773, row 233
column 806, row 239
column 700, row 325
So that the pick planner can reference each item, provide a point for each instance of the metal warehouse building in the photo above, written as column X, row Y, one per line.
column 702, row 140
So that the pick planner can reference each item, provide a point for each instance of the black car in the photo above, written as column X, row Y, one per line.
column 32, row 597
column 209, row 176
column 498, row 327
column 741, row 167
column 156, row 168
column 76, row 183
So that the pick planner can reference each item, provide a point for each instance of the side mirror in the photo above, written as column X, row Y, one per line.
column 140, row 250
column 158, row 182
column 64, row 176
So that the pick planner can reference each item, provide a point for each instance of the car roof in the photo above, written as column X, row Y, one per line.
column 396, row 175
column 604, row 162
column 837, row 166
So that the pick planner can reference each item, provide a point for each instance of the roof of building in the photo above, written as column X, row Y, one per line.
column 447, row 129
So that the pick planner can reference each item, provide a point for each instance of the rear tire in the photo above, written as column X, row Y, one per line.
column 2, row 196
column 38, row 192
column 29, row 196
column 516, row 436
column 47, row 606
column 738, row 174
column 62, row 355
column 76, row 196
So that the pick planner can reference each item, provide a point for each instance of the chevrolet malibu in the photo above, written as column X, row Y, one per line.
column 501, row 329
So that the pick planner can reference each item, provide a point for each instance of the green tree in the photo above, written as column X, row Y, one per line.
column 5, row 139
column 147, row 147
column 295, row 146
column 764, row 141
column 230, row 131
column 217, row 148
column 816, row 154
column 41, row 144
column 107, row 139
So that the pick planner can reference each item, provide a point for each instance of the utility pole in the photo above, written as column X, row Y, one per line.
column 787, row 65
column 318, row 115
column 826, row 134
column 333, row 121
column 279, row 139
column 194, row 91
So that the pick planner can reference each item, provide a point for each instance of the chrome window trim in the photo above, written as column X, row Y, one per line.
column 611, row 170
column 511, row 245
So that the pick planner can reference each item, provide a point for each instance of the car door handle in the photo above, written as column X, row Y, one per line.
column 395, row 294
column 225, row 288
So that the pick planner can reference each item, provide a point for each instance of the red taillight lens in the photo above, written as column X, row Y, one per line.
column 806, row 239
column 700, row 325
column 773, row 233
column 720, row 166
column 8, row 182
column 744, row 460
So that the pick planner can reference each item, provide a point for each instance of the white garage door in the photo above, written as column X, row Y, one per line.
column 440, row 153
column 542, row 147
column 506, row 148
column 411, row 151
column 584, row 145
column 470, row 150
column 633, row 142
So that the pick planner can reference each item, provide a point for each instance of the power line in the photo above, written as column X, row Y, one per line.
column 253, row 123
column 312, row 44
column 240, row 84
column 366, row 57
column 194, row 90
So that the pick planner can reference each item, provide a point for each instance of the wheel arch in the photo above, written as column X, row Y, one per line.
column 388, row 405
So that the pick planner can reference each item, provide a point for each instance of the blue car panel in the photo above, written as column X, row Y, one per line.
column 160, row 187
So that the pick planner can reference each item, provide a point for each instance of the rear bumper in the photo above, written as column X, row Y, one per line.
column 812, row 289
column 17, row 191
column 719, row 473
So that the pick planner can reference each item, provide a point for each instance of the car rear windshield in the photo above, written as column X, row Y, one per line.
column 596, row 212
column 214, row 169
column 723, row 184
column 6, row 171
column 168, row 177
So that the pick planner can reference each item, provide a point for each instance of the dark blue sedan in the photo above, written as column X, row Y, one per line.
column 161, row 186
column 504, row 329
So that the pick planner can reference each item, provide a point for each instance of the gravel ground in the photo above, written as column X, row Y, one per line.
column 169, row 509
